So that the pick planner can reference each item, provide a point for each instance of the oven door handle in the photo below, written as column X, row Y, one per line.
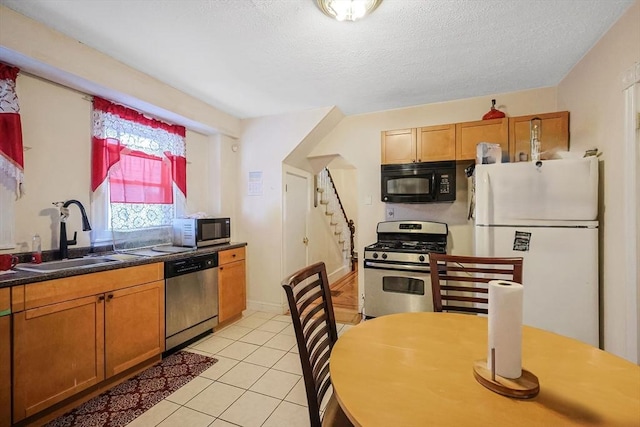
column 385, row 266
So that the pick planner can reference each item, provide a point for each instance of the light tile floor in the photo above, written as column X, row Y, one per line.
column 257, row 381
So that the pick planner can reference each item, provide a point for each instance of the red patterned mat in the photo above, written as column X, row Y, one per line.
column 127, row 401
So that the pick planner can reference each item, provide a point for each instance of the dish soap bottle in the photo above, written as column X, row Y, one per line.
column 36, row 249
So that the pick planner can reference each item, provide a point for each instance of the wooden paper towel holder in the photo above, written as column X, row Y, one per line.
column 524, row 387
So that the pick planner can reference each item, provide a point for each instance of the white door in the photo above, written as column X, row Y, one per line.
column 295, row 222
column 560, row 275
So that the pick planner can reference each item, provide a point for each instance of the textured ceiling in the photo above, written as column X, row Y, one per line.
column 260, row 57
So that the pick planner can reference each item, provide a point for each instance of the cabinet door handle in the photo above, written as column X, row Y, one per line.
column 100, row 297
column 221, row 268
column 233, row 255
column 110, row 296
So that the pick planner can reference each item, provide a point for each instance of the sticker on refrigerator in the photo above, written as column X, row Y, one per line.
column 521, row 241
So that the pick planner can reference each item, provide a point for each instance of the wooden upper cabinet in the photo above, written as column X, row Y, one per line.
column 399, row 146
column 469, row 134
column 554, row 135
column 436, row 143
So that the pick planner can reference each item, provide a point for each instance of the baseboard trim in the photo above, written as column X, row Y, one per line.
column 338, row 274
column 266, row 307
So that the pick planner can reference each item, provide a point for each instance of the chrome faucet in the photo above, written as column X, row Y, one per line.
column 64, row 214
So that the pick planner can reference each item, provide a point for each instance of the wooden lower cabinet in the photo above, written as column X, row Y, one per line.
column 134, row 326
column 79, row 331
column 232, row 285
column 5, row 359
column 58, row 352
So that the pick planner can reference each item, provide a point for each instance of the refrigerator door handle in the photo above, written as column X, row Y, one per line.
column 483, row 197
column 483, row 242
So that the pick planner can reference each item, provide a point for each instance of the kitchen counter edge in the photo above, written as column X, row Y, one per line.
column 28, row 277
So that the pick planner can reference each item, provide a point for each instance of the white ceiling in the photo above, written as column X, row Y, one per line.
column 254, row 58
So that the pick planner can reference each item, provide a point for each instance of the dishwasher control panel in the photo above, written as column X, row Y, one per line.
column 190, row 265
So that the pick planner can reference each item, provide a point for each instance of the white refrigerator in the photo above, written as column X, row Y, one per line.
column 547, row 215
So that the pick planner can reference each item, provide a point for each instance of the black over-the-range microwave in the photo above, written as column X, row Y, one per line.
column 419, row 182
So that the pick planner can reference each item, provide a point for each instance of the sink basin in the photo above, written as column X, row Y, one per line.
column 51, row 266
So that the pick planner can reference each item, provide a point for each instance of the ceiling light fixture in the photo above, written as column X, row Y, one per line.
column 347, row 10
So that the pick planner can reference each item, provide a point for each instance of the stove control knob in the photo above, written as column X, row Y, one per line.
column 384, row 256
column 421, row 258
column 375, row 255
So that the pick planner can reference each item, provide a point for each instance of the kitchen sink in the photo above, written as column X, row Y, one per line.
column 48, row 267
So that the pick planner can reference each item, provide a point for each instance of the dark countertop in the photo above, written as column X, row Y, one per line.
column 26, row 277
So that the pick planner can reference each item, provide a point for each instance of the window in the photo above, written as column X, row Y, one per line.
column 138, row 171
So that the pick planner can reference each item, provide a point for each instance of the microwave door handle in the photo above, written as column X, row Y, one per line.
column 433, row 186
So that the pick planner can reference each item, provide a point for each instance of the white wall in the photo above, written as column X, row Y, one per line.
column 56, row 130
column 592, row 91
column 265, row 143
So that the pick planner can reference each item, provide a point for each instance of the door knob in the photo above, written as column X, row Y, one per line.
column 305, row 241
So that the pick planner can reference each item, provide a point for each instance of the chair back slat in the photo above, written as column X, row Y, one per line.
column 463, row 309
column 312, row 313
column 314, row 323
column 460, row 283
column 307, row 299
column 463, row 289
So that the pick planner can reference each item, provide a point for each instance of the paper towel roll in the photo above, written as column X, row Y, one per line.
column 505, row 327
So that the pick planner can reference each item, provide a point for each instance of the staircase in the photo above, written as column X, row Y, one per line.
column 342, row 227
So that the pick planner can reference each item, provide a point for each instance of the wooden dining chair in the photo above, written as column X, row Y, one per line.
column 460, row 283
column 314, row 323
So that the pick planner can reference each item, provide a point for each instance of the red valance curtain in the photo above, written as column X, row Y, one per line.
column 150, row 154
column 11, row 151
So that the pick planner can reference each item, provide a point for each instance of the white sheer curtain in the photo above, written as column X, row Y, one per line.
column 138, row 176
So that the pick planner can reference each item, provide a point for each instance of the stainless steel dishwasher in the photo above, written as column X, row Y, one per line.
column 191, row 299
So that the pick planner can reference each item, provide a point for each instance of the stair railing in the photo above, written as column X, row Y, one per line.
column 334, row 209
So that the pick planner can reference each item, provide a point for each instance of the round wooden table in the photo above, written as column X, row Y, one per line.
column 416, row 369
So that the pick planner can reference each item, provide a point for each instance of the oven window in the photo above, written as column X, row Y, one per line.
column 408, row 185
column 403, row 285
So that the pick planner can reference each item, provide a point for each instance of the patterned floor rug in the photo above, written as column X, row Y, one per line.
column 127, row 401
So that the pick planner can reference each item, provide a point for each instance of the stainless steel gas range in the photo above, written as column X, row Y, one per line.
column 396, row 267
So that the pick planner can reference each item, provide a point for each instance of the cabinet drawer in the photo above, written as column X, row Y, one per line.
column 231, row 255
column 68, row 288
